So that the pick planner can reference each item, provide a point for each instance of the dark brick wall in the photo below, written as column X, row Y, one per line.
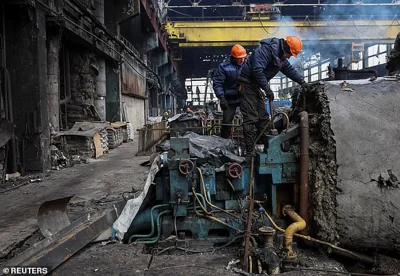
column 27, row 63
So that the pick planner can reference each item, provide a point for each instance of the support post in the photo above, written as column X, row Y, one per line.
column 53, row 88
column 101, row 89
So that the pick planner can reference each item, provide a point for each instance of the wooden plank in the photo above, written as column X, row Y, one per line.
column 97, row 145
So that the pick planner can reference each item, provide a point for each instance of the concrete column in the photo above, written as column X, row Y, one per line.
column 101, row 89
column 148, row 95
column 53, row 88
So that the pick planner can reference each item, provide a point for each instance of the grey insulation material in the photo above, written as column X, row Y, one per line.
column 355, row 162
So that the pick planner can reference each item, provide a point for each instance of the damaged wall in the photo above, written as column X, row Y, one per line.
column 27, row 64
column 83, row 86
column 355, row 162
column 134, row 92
column 135, row 111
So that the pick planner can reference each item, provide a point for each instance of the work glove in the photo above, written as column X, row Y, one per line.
column 268, row 93
column 223, row 103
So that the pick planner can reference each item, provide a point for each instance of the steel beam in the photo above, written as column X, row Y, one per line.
column 149, row 9
column 57, row 248
column 286, row 5
column 248, row 33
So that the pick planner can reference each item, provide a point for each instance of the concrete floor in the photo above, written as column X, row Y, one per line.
column 95, row 185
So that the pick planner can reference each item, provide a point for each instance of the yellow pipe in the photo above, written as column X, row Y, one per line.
column 210, row 216
column 297, row 226
column 206, row 197
column 308, row 238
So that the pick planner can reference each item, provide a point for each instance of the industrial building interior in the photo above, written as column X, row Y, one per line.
column 111, row 155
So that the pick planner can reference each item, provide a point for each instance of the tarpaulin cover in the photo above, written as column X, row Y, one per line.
column 213, row 150
column 182, row 123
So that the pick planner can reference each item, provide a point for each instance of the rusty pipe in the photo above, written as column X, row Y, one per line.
column 298, row 225
column 335, row 249
column 249, row 219
column 304, row 165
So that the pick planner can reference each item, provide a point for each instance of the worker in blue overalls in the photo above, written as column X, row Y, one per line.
column 226, row 87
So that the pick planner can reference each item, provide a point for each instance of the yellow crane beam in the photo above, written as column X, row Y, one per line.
column 247, row 33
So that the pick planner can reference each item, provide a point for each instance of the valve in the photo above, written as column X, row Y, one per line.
column 186, row 166
column 235, row 170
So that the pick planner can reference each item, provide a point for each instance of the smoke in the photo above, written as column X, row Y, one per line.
column 313, row 35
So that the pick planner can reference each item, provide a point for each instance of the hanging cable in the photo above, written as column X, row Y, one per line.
column 262, row 25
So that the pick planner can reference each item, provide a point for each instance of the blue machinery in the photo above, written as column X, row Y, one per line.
column 205, row 203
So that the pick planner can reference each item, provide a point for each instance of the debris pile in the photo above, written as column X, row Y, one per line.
column 58, row 159
column 87, row 140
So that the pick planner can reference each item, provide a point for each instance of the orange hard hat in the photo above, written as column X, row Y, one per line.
column 238, row 51
column 169, row 110
column 295, row 44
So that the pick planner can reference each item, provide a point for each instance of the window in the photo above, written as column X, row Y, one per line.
column 275, row 87
column 377, row 59
column 324, row 66
column 275, row 80
column 357, row 65
column 377, row 54
column 314, row 70
column 324, row 70
column 314, row 77
column 372, row 50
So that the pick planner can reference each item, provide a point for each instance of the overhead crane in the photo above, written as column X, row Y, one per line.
column 249, row 33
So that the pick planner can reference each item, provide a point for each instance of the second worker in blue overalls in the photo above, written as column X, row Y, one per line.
column 226, row 86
